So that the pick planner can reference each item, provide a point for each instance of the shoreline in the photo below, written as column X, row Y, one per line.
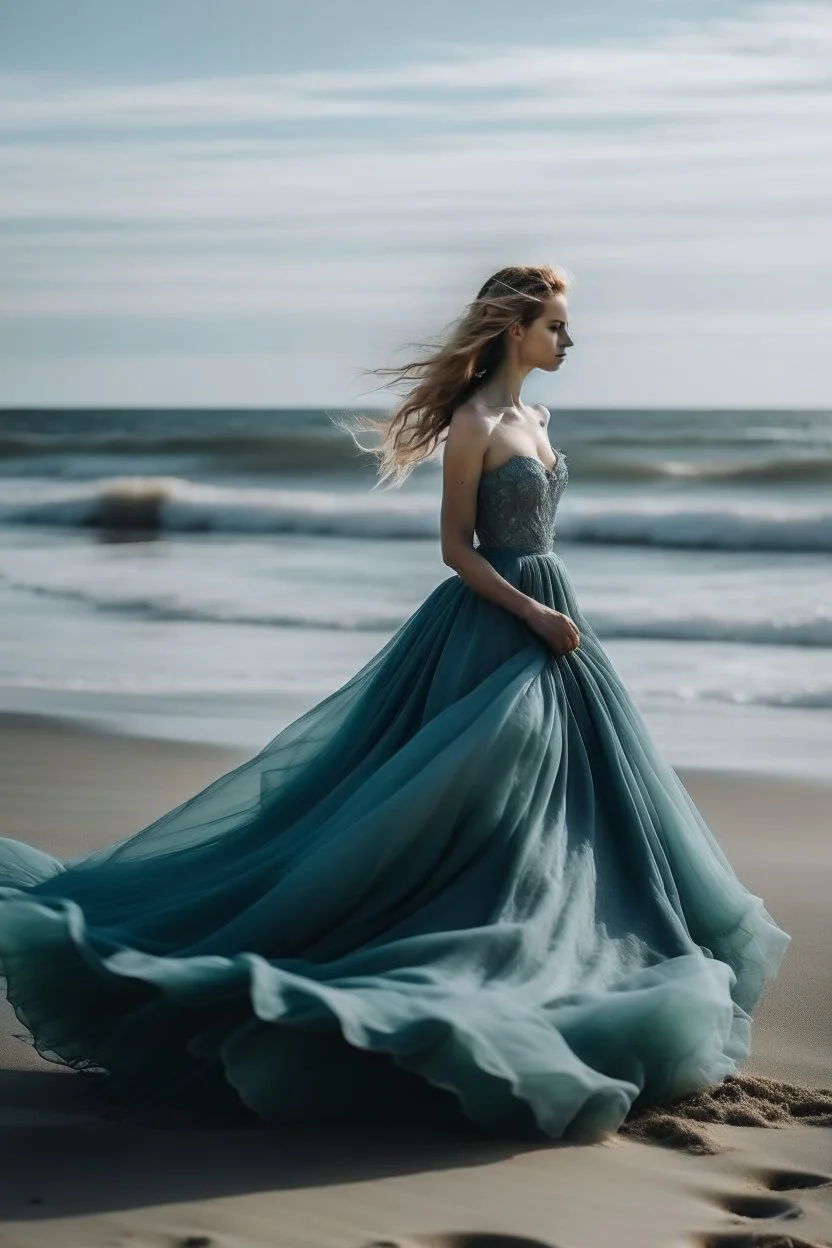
column 230, row 755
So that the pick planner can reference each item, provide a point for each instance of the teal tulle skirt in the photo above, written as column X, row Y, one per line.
column 466, row 886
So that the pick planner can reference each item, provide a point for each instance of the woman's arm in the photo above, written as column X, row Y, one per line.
column 465, row 446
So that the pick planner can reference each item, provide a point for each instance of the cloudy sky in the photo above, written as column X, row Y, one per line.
column 218, row 202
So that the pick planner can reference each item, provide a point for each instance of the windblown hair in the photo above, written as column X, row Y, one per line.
column 452, row 369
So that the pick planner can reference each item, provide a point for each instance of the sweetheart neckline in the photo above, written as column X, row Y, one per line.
column 533, row 458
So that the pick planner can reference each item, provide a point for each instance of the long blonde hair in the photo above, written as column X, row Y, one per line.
column 451, row 370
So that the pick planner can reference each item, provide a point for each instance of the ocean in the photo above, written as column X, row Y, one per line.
column 209, row 575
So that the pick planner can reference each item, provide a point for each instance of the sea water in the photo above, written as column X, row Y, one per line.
column 208, row 575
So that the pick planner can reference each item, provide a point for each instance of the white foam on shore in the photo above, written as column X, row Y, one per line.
column 174, row 504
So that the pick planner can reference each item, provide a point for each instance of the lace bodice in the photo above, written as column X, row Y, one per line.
column 517, row 503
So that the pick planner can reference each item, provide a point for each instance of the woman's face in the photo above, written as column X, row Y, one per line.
column 545, row 342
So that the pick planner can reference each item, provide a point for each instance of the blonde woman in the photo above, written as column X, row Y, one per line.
column 464, row 886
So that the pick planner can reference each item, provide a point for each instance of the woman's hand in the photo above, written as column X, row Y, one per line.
column 557, row 630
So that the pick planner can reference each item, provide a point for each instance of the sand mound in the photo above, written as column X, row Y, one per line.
column 740, row 1100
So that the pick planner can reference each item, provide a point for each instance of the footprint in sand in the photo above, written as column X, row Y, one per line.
column 759, row 1205
column 461, row 1239
column 756, row 1239
column 756, row 1205
column 792, row 1180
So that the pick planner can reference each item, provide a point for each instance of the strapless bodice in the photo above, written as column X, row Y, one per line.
column 517, row 503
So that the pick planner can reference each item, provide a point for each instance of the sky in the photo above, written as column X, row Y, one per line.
column 251, row 202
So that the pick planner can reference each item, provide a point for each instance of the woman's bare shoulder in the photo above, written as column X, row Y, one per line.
column 470, row 423
column 474, row 419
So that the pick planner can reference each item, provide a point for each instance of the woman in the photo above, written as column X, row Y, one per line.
column 464, row 885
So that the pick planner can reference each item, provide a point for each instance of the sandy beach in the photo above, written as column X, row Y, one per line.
column 70, row 1179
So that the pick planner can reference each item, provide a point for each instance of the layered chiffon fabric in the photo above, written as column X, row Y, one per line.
column 465, row 886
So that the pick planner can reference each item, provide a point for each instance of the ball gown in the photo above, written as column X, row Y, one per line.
column 464, row 887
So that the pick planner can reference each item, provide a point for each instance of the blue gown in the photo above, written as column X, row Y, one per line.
column 465, row 887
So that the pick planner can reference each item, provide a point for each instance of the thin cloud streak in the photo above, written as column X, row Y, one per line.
column 170, row 180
